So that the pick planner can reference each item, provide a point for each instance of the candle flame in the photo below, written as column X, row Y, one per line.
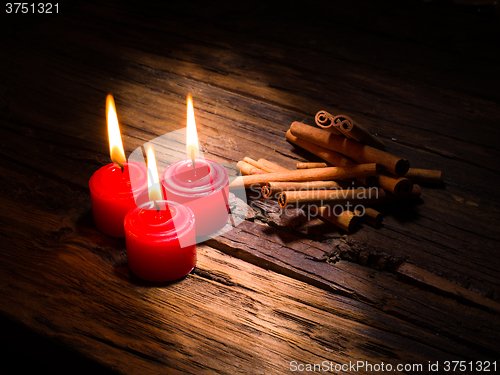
column 115, row 139
column 191, row 133
column 154, row 190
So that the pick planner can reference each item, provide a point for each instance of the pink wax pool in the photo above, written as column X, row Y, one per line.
column 204, row 189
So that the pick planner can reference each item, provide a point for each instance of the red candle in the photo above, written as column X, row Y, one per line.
column 203, row 188
column 160, row 235
column 115, row 188
column 112, row 195
column 160, row 240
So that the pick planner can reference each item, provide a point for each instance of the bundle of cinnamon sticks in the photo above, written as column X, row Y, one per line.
column 349, row 151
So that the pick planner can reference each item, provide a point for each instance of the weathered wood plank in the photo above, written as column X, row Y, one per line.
column 356, row 282
column 428, row 279
column 134, row 327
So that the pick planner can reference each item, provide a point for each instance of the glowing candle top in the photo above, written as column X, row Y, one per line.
column 192, row 150
column 115, row 139
column 154, row 189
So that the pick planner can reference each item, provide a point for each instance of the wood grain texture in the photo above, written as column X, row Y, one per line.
column 422, row 76
column 306, row 260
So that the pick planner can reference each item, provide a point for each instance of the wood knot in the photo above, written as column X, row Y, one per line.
column 61, row 233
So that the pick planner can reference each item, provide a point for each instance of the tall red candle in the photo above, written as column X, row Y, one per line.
column 117, row 187
column 204, row 189
column 114, row 193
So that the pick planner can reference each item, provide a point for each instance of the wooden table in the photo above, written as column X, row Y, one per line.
column 263, row 298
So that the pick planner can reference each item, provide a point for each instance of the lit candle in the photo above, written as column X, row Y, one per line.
column 160, row 235
column 115, row 187
column 200, row 184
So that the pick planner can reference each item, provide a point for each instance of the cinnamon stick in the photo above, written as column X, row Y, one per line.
column 342, row 196
column 424, row 175
column 331, row 173
column 325, row 121
column 250, row 161
column 355, row 131
column 398, row 186
column 272, row 166
column 347, row 220
column 312, row 165
column 370, row 216
column 368, row 181
column 247, row 169
column 329, row 156
column 350, row 148
column 273, row 188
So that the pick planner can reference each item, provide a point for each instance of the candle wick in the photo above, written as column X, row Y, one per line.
column 157, row 206
column 192, row 157
column 118, row 157
column 119, row 164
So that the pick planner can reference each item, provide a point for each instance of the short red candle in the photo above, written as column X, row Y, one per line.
column 114, row 193
column 204, row 189
column 161, row 244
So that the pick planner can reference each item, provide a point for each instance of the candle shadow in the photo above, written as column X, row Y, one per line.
column 112, row 250
column 86, row 227
column 123, row 272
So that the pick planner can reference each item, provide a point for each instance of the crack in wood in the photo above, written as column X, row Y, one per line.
column 301, row 267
